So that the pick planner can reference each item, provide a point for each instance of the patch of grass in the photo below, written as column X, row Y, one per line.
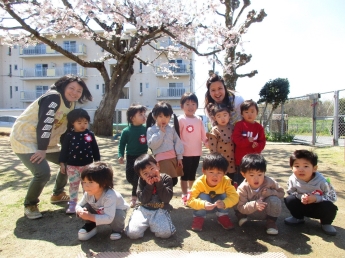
column 332, row 155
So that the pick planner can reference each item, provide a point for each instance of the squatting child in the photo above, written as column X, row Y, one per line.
column 101, row 204
column 212, row 192
column 219, row 138
column 310, row 194
column 260, row 195
column 79, row 148
column 155, row 191
column 133, row 139
column 192, row 134
column 248, row 136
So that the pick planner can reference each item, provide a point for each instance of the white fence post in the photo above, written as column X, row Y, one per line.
column 336, row 119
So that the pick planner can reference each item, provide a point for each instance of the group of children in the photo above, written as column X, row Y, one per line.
column 233, row 173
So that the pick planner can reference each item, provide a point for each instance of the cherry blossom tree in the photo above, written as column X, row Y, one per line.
column 230, row 13
column 189, row 24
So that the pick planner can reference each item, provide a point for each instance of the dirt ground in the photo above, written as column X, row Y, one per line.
column 55, row 235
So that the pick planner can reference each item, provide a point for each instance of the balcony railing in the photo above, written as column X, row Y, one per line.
column 45, row 50
column 171, row 93
column 177, row 69
column 51, row 73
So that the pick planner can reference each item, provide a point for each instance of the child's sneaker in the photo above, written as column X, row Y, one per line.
column 32, row 212
column 62, row 197
column 293, row 221
column 329, row 229
column 184, row 199
column 271, row 226
column 242, row 218
column 87, row 231
column 197, row 224
column 115, row 236
column 71, row 207
column 225, row 222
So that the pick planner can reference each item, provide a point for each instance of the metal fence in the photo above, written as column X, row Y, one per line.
column 316, row 119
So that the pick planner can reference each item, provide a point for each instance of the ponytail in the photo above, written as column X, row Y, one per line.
column 150, row 121
column 176, row 125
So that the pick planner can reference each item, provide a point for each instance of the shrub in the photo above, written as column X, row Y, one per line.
column 278, row 137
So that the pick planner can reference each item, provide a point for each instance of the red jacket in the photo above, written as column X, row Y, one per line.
column 243, row 146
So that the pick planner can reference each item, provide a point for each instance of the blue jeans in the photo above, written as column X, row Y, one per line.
column 208, row 198
column 41, row 175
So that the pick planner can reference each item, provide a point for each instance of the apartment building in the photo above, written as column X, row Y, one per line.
column 27, row 73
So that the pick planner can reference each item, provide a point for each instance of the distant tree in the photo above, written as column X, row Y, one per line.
column 274, row 92
column 188, row 23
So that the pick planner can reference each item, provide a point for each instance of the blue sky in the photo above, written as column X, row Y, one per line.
column 301, row 40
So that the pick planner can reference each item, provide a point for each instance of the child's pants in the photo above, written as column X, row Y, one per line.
column 325, row 211
column 73, row 173
column 118, row 223
column 273, row 209
column 211, row 199
column 158, row 221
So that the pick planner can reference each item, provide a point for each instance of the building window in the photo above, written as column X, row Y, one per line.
column 16, row 67
column 10, row 70
column 176, row 89
column 147, row 85
column 70, row 68
column 9, row 51
column 16, row 88
column 41, row 70
column 177, row 66
column 11, row 93
column 141, row 88
column 40, row 90
column 117, row 119
column 70, row 46
column 103, row 88
column 140, row 67
column 97, row 86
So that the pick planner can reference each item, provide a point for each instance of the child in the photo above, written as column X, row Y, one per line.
column 260, row 195
column 219, row 138
column 192, row 134
column 248, row 136
column 79, row 148
column 155, row 191
column 101, row 204
column 164, row 141
column 310, row 194
column 212, row 191
column 133, row 138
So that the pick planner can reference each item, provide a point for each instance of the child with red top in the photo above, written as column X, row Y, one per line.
column 248, row 135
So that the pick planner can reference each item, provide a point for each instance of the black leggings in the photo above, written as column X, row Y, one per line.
column 131, row 176
column 325, row 211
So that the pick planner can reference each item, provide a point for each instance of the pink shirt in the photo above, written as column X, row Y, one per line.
column 192, row 135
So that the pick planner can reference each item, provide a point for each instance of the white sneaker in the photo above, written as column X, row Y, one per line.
column 115, row 236
column 87, row 231
column 32, row 212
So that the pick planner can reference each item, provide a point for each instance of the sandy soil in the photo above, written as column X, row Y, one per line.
column 55, row 235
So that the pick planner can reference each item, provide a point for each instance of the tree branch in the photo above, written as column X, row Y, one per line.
column 251, row 74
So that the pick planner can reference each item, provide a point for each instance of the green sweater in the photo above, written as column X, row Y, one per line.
column 133, row 138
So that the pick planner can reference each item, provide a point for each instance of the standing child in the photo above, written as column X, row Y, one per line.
column 248, row 136
column 310, row 194
column 155, row 191
column 260, row 195
column 164, row 140
column 219, row 138
column 212, row 191
column 192, row 134
column 79, row 148
column 101, row 204
column 133, row 139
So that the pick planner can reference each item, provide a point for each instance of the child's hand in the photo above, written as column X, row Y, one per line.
column 220, row 204
column 250, row 139
column 209, row 206
column 260, row 205
column 308, row 199
column 179, row 163
column 254, row 145
column 120, row 160
column 206, row 144
column 62, row 168
column 82, row 213
column 162, row 128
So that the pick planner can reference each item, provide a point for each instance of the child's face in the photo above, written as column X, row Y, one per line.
column 91, row 187
column 139, row 118
column 80, row 125
column 213, row 176
column 149, row 172
column 222, row 118
column 189, row 108
column 303, row 169
column 162, row 120
column 255, row 178
column 250, row 114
